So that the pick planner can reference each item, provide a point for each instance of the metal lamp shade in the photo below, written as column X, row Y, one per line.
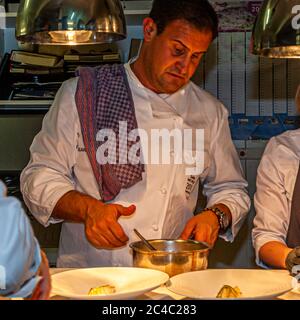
column 70, row 21
column 276, row 32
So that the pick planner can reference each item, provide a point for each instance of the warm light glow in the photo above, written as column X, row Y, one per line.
column 69, row 37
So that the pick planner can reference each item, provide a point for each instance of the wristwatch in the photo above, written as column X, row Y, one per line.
column 222, row 218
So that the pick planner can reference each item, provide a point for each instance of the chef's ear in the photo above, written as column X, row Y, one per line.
column 149, row 28
column 297, row 99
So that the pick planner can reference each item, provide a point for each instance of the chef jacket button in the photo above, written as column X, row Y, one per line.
column 172, row 153
column 163, row 191
column 155, row 227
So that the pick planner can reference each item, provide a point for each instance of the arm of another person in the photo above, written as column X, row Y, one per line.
column 224, row 187
column 20, row 254
column 274, row 254
column 272, row 212
column 47, row 182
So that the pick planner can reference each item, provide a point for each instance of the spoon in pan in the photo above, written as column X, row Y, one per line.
column 146, row 242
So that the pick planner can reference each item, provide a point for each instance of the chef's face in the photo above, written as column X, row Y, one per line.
column 172, row 57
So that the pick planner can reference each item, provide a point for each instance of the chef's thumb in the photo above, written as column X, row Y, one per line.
column 126, row 211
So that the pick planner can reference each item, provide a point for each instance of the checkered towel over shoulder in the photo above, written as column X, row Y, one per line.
column 103, row 99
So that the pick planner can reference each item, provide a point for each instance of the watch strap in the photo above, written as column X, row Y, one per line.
column 222, row 217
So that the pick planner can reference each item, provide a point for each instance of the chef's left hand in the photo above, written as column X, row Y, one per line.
column 203, row 227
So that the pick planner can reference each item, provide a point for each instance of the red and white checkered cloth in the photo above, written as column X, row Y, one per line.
column 103, row 99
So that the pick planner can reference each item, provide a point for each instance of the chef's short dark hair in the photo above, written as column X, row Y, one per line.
column 199, row 13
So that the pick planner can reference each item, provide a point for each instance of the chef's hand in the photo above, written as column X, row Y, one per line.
column 292, row 260
column 43, row 288
column 102, row 228
column 202, row 227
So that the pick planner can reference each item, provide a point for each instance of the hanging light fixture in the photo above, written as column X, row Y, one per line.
column 70, row 22
column 276, row 32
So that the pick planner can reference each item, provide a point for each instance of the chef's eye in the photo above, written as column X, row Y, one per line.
column 196, row 56
column 178, row 51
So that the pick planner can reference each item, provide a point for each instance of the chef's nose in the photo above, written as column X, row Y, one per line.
column 182, row 65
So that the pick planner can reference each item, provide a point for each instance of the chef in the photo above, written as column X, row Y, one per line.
column 100, row 201
column 276, row 232
column 21, row 259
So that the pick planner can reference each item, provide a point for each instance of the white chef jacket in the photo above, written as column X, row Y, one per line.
column 20, row 255
column 276, row 178
column 59, row 164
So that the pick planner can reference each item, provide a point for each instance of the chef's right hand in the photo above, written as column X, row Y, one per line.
column 102, row 228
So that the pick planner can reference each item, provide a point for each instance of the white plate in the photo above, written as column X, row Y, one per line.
column 254, row 284
column 129, row 282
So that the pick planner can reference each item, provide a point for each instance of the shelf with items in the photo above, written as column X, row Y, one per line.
column 31, row 80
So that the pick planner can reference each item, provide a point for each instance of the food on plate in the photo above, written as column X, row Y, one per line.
column 106, row 289
column 229, row 292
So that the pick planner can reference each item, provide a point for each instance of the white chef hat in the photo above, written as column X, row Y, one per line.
column 19, row 250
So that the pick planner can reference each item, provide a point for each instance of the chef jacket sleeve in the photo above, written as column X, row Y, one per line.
column 270, row 201
column 20, row 255
column 48, row 176
column 224, row 182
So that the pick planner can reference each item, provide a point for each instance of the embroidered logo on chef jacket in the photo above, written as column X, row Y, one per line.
column 190, row 185
column 80, row 149
column 2, row 278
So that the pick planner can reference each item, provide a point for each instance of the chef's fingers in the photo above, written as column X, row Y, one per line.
column 202, row 234
column 118, row 232
column 113, row 238
column 188, row 230
column 105, row 240
column 101, row 242
column 205, row 233
column 125, row 211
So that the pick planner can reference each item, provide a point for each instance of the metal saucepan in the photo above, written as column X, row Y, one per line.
column 171, row 256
